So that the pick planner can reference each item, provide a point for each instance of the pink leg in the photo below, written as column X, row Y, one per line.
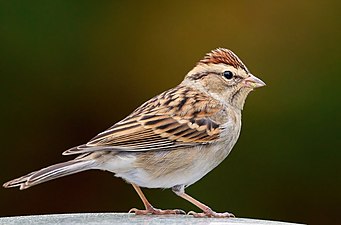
column 207, row 211
column 149, row 208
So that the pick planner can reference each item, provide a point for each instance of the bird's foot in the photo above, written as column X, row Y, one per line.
column 211, row 213
column 154, row 211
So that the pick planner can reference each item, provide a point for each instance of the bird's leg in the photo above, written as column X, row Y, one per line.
column 207, row 211
column 149, row 208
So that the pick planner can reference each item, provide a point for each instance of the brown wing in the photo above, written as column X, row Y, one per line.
column 176, row 118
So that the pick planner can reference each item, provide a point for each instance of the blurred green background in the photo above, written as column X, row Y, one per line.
column 70, row 69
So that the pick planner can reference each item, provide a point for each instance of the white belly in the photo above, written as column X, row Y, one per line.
column 205, row 159
column 188, row 166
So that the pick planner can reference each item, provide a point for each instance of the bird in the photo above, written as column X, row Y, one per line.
column 172, row 140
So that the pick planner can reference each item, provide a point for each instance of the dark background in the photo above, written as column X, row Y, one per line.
column 70, row 69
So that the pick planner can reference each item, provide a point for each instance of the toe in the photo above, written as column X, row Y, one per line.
column 179, row 211
column 195, row 214
column 154, row 211
column 169, row 211
column 211, row 214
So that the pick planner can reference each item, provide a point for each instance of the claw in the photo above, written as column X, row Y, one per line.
column 132, row 210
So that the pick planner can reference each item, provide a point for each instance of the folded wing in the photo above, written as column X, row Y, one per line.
column 176, row 118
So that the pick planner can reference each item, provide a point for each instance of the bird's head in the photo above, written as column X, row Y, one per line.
column 223, row 75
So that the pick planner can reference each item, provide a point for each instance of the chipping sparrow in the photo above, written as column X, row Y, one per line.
column 172, row 140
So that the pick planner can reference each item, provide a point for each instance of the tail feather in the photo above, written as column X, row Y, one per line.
column 50, row 173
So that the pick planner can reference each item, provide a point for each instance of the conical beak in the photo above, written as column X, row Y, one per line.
column 253, row 82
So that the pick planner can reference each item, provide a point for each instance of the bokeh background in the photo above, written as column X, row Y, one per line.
column 70, row 69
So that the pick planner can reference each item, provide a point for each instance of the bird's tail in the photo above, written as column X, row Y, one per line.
column 50, row 173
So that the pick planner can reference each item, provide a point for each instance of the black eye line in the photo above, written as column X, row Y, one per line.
column 199, row 75
column 239, row 77
column 234, row 75
column 222, row 74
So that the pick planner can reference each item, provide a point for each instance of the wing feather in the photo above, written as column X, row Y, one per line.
column 177, row 118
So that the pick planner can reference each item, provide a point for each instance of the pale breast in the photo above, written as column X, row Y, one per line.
column 184, row 166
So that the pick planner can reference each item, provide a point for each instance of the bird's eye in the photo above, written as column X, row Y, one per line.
column 228, row 74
